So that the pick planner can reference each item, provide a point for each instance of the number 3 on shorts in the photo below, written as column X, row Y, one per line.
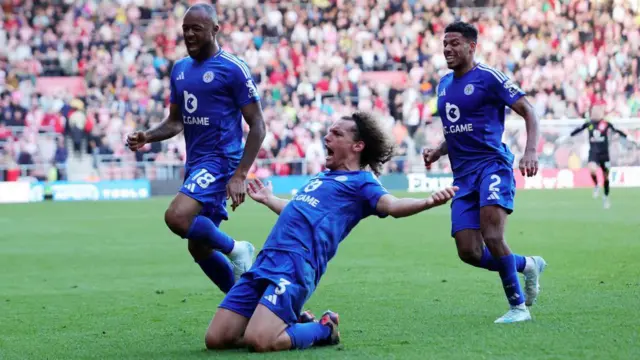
column 282, row 286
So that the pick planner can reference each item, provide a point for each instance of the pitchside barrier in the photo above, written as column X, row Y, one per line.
column 23, row 191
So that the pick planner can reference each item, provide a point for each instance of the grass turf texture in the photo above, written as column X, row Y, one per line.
column 107, row 280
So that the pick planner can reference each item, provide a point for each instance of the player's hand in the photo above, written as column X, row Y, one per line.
column 442, row 197
column 258, row 192
column 236, row 190
column 529, row 164
column 430, row 156
column 136, row 140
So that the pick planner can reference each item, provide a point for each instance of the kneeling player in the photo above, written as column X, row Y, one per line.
column 261, row 310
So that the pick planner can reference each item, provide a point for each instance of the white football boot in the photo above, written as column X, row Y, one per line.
column 515, row 314
column 241, row 258
column 532, row 271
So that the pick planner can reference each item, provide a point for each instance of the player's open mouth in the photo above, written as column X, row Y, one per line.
column 192, row 46
column 450, row 58
column 329, row 153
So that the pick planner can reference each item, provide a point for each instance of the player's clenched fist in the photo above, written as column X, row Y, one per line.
column 136, row 140
column 441, row 197
column 430, row 156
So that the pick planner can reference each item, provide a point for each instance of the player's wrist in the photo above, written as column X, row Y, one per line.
column 427, row 203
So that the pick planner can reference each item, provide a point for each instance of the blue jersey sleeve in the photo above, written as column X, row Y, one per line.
column 503, row 88
column 371, row 192
column 242, row 86
column 173, row 94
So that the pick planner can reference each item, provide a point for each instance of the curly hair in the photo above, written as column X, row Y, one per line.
column 379, row 146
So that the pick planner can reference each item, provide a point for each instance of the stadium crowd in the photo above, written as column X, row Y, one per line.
column 312, row 61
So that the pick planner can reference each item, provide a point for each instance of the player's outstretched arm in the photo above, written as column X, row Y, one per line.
column 529, row 162
column 264, row 195
column 573, row 132
column 169, row 127
column 402, row 207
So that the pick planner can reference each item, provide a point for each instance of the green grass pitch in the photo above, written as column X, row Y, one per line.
column 108, row 281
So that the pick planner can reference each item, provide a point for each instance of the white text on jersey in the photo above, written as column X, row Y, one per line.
column 454, row 129
column 308, row 199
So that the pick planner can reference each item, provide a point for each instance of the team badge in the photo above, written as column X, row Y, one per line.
column 468, row 90
column 208, row 77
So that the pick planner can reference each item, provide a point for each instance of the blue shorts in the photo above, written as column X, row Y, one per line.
column 282, row 281
column 207, row 184
column 492, row 184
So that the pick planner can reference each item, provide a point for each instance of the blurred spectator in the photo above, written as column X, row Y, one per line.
column 312, row 62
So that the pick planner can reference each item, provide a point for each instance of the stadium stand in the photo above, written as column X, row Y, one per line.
column 71, row 90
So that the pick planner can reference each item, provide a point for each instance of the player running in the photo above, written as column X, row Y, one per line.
column 599, row 130
column 471, row 103
column 261, row 310
column 211, row 91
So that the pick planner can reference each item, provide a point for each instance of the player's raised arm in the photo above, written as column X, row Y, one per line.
column 264, row 195
column 169, row 127
column 402, row 207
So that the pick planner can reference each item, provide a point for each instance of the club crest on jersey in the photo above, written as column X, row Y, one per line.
column 208, row 77
column 468, row 90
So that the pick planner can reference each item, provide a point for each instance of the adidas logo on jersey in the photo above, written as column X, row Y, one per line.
column 181, row 76
column 494, row 196
column 271, row 298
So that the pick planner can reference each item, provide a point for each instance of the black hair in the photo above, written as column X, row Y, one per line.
column 467, row 30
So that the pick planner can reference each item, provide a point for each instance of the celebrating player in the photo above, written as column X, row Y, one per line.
column 211, row 91
column 599, row 129
column 261, row 310
column 471, row 103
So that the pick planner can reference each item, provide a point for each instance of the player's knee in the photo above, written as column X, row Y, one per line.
column 493, row 238
column 259, row 344
column 177, row 221
column 471, row 256
column 219, row 339
column 259, row 341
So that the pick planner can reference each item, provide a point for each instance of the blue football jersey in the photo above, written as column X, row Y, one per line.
column 210, row 95
column 323, row 212
column 472, row 109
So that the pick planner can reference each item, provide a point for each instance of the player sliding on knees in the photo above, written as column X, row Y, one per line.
column 471, row 103
column 211, row 91
column 261, row 311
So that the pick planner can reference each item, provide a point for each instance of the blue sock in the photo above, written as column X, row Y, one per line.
column 490, row 263
column 219, row 270
column 205, row 231
column 521, row 262
column 305, row 335
column 510, row 280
